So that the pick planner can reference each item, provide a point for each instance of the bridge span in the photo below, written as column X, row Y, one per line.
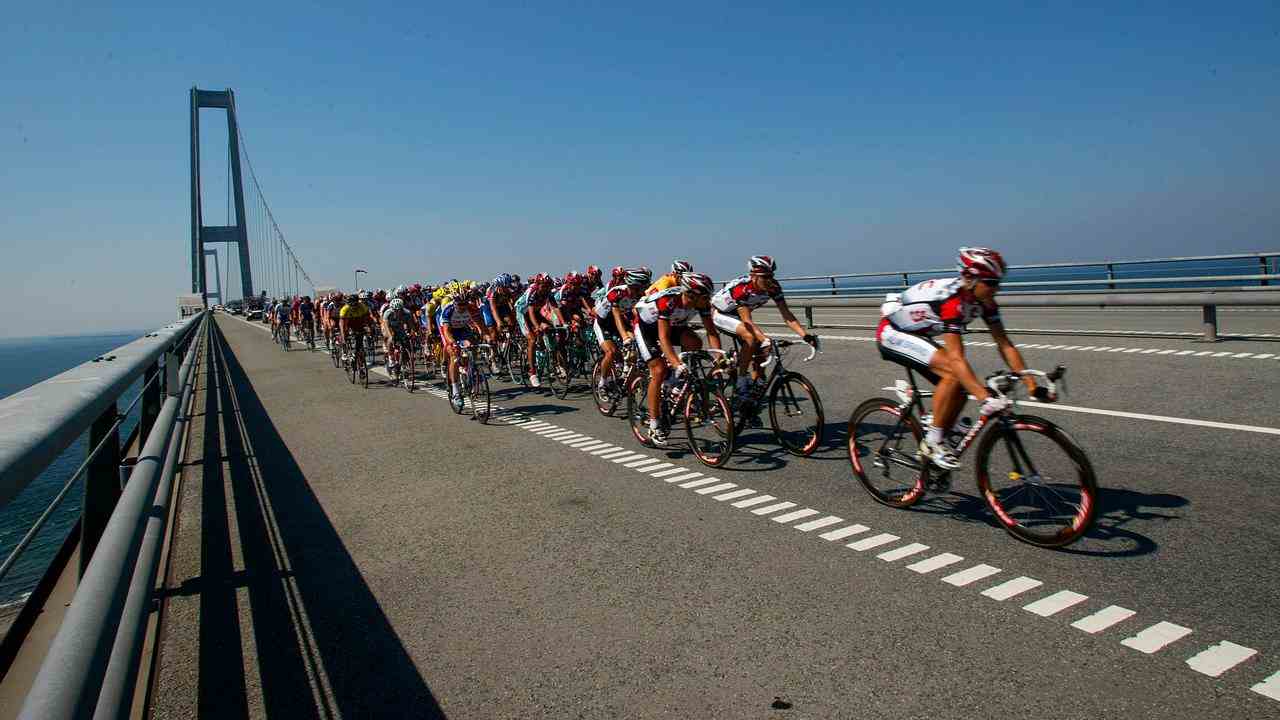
column 367, row 553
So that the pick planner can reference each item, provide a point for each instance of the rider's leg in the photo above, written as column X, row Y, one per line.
column 948, row 396
column 657, row 373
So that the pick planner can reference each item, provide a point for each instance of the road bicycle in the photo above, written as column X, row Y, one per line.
column 282, row 336
column 697, row 399
column 612, row 392
column 515, row 359
column 356, row 362
column 1035, row 478
column 575, row 360
column 405, row 371
column 474, row 382
column 336, row 352
column 795, row 409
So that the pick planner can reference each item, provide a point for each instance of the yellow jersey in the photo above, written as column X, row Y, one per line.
column 663, row 283
column 358, row 311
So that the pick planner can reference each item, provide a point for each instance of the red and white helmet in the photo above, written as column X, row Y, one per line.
column 980, row 262
column 762, row 264
column 696, row 283
column 592, row 273
column 681, row 266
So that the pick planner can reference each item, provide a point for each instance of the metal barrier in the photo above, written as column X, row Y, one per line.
column 1208, row 300
column 92, row 660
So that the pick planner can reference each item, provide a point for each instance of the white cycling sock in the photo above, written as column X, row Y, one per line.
column 934, row 435
column 653, row 424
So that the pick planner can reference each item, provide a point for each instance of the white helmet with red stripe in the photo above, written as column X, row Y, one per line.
column 980, row 262
column 696, row 283
column 762, row 264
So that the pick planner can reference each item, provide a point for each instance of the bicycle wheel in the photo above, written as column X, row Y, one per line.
column 882, row 450
column 517, row 363
column 607, row 398
column 284, row 340
column 1037, row 481
column 364, row 371
column 353, row 372
column 795, row 411
column 478, row 389
column 638, row 408
column 708, row 421
column 409, row 370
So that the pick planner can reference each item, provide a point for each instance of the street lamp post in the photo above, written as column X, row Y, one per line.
column 358, row 271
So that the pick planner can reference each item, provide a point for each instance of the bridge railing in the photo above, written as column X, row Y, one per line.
column 93, row 658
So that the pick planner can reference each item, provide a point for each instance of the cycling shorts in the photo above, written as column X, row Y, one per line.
column 462, row 335
column 907, row 349
column 606, row 329
column 726, row 322
column 647, row 338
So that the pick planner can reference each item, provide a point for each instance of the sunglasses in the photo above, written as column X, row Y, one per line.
column 993, row 284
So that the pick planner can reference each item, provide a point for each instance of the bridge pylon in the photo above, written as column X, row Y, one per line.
column 202, row 234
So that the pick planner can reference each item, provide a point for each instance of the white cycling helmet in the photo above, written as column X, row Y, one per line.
column 980, row 262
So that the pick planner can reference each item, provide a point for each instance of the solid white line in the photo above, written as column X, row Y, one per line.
column 735, row 494
column 699, row 482
column 1103, row 619
column 928, row 565
column 795, row 515
column 1156, row 637
column 971, row 575
column 682, row 477
column 1009, row 588
column 773, row 508
column 843, row 532
column 904, row 551
column 1269, row 687
column 873, row 541
column 1215, row 660
column 754, row 501
column 1157, row 418
column 819, row 523
column 716, row 488
column 672, row 471
column 1055, row 603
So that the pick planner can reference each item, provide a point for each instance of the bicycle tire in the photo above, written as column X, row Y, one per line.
column 409, row 371
column 864, row 444
column 1084, row 482
column 364, row 371
column 705, row 407
column 638, row 408
column 605, row 403
column 801, row 443
column 481, row 408
column 561, row 386
column 352, row 371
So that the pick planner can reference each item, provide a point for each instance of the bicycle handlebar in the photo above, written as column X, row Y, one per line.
column 1004, row 381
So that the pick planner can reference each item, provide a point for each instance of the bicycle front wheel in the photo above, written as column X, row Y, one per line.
column 606, row 398
column 409, row 370
column 479, row 392
column 1037, row 481
column 638, row 408
column 795, row 411
column 882, row 450
column 709, row 423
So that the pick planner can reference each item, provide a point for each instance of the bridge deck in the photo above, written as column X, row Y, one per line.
column 353, row 553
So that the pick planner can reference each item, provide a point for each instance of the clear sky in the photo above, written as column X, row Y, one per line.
column 461, row 139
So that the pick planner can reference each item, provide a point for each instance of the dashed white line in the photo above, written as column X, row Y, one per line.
column 1103, row 619
column 643, row 465
column 716, row 488
column 682, row 477
column 905, row 551
column 1156, row 637
column 629, row 457
column 735, row 494
column 1217, row 659
column 700, row 482
column 1010, row 588
column 1055, row 603
column 936, row 562
column 672, row 471
column 588, row 446
column 795, row 515
column 873, row 541
column 819, row 523
column 773, row 508
column 1269, row 687
column 653, row 470
column 843, row 532
column 971, row 575
column 754, row 501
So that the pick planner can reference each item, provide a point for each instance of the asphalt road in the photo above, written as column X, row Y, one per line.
column 412, row 559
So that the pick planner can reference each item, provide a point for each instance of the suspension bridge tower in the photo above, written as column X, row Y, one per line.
column 201, row 234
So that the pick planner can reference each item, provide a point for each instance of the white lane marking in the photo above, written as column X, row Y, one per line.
column 653, row 470
column 795, row 515
column 570, row 438
column 1055, row 603
column 699, row 482
column 616, row 452
column 672, row 471
column 619, row 459
column 1269, row 687
column 754, row 501
column 1086, row 347
column 578, row 441
column 1202, row 354
column 873, row 541
column 1010, row 588
column 608, row 450
column 1220, row 354
column 589, row 446
column 682, row 477
column 537, row 425
column 928, row 565
column 773, row 508
column 1263, row 356
column 735, row 494
column 716, row 488
column 1184, row 352
column 1156, row 418
column 1132, row 350
column 557, row 434
column 1103, row 619
column 904, row 551
column 1156, row 637
column 642, row 465
column 843, row 532
column 971, row 575
column 1166, row 352
column 819, row 523
column 1242, row 355
column 1217, row 659
column 1150, row 350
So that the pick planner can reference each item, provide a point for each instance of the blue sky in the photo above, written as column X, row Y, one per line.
column 423, row 141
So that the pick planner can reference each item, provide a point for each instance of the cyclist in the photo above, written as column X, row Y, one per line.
column 353, row 320
column 610, row 314
column 661, row 322
column 495, row 310
column 330, row 310
column 530, row 320
column 281, row 319
column 943, row 308
column 307, row 317
column 455, row 320
column 732, row 313
column 670, row 279
column 397, row 325
column 593, row 280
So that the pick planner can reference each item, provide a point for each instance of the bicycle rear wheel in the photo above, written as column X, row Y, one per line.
column 795, row 411
column 638, row 408
column 409, row 370
column 882, row 451
column 1037, row 481
column 708, row 421
column 353, row 372
column 364, row 371
column 479, row 395
column 606, row 399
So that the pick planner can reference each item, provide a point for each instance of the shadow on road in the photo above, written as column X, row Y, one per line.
column 315, row 620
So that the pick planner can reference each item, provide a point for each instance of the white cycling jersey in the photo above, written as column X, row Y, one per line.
column 937, row 306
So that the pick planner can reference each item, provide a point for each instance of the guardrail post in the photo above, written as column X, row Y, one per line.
column 906, row 281
column 808, row 314
column 833, row 286
column 172, row 361
column 150, row 402
column 101, row 483
column 1111, row 276
column 1210, row 323
column 1263, row 260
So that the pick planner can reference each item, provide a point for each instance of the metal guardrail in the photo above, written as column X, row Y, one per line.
column 1207, row 300
column 93, row 657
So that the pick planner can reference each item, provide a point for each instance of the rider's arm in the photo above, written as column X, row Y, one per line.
column 960, row 367
column 713, row 335
column 664, row 342
column 790, row 319
column 621, row 322
column 1010, row 353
